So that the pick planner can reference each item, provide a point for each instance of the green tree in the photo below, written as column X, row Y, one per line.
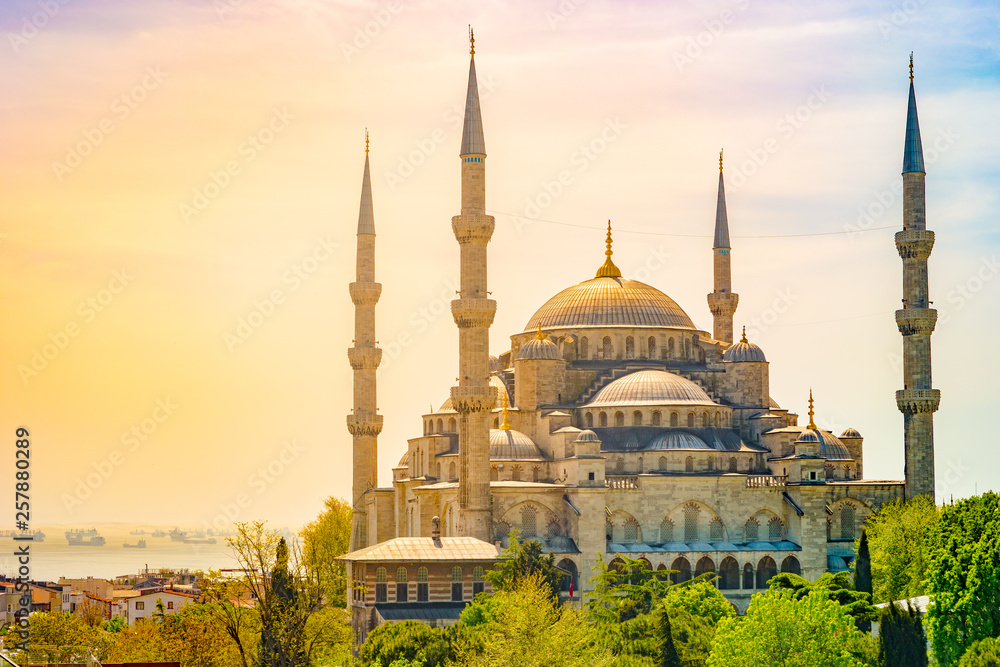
column 525, row 560
column 408, row 640
column 899, row 541
column 901, row 639
column 667, row 651
column 982, row 653
column 324, row 540
column 835, row 585
column 863, row 575
column 779, row 629
column 964, row 577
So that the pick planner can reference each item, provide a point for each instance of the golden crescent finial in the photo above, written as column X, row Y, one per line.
column 744, row 339
column 720, row 160
column 608, row 269
column 366, row 141
column 911, row 66
column 540, row 335
column 812, row 424
column 505, row 426
column 472, row 42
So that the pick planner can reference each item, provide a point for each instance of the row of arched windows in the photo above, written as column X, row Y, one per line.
column 606, row 349
column 629, row 531
column 435, row 427
column 655, row 418
column 422, row 584
column 517, row 473
column 728, row 573
column 663, row 464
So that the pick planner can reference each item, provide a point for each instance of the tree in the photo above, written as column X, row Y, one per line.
column 525, row 560
column 667, row 651
column 863, row 575
column 964, row 577
column 835, row 585
column 779, row 629
column 898, row 540
column 901, row 639
column 982, row 653
column 408, row 640
column 324, row 540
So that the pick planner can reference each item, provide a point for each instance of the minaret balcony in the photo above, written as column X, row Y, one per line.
column 914, row 243
column 916, row 321
column 363, row 424
column 364, row 358
column 473, row 313
column 473, row 399
column 473, row 228
column 918, row 401
column 365, row 294
column 723, row 303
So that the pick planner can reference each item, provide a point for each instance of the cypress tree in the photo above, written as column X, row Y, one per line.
column 863, row 576
column 902, row 642
column 667, row 652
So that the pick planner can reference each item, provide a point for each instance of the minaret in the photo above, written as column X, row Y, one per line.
column 474, row 397
column 364, row 424
column 917, row 400
column 722, row 301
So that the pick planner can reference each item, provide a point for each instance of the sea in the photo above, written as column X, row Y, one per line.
column 54, row 557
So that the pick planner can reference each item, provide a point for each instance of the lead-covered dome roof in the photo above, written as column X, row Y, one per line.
column 743, row 350
column 610, row 301
column 511, row 445
column 830, row 446
column 650, row 387
column 539, row 349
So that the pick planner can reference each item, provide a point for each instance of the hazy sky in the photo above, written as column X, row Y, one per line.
column 180, row 184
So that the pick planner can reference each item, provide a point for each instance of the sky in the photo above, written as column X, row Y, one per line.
column 180, row 185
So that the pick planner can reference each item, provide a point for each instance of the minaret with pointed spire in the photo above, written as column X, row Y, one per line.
column 363, row 422
column 722, row 301
column 474, row 397
column 917, row 400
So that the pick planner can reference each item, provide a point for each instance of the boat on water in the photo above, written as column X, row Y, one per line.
column 92, row 541
column 32, row 536
column 177, row 535
column 137, row 532
column 141, row 544
column 159, row 533
column 79, row 533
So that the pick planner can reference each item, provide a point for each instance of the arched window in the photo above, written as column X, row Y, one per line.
column 477, row 573
column 457, row 589
column 682, row 570
column 452, row 425
column 718, row 420
column 607, row 348
column 584, row 348
column 400, row 574
column 528, row 523
column 534, row 474
column 437, row 470
column 440, row 426
column 705, row 566
column 667, row 531
column 775, row 531
column 715, row 530
column 590, row 420
column 791, row 564
column 691, row 523
column 422, row 574
column 704, row 420
column 751, row 531
column 748, row 576
column 451, row 471
column 620, row 464
column 630, row 534
column 766, row 569
column 422, row 585
column 456, row 573
column 651, row 347
column 380, row 575
column 670, row 348
column 687, row 349
column 502, row 530
column 603, row 419
column 729, row 574
column 629, row 347
column 619, row 419
column 494, row 474
column 515, row 473
column 711, row 464
column 663, row 463
column 847, row 472
column 828, row 471
column 673, row 419
column 637, row 418
column 690, row 420
column 654, row 418
column 847, row 521
column 552, row 530
column 402, row 588
column 689, row 464
column 732, row 464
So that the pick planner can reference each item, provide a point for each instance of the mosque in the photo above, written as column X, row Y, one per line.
column 615, row 426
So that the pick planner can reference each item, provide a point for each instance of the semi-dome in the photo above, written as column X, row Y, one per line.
column 830, row 446
column 743, row 351
column 677, row 440
column 610, row 301
column 539, row 349
column 511, row 445
column 587, row 436
column 650, row 387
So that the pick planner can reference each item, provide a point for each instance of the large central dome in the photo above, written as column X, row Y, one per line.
column 610, row 301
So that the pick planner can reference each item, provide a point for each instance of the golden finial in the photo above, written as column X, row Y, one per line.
column 812, row 424
column 911, row 66
column 608, row 269
column 720, row 160
column 540, row 335
column 366, row 141
column 472, row 42
column 744, row 339
column 505, row 426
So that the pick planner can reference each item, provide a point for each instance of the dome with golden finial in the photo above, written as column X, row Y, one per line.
column 540, row 348
column 830, row 446
column 743, row 351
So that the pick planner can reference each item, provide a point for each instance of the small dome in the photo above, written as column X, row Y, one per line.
column 650, row 387
column 511, row 445
column 587, row 436
column 850, row 433
column 405, row 461
column 809, row 435
column 495, row 366
column 743, row 350
column 830, row 447
column 539, row 349
column 677, row 440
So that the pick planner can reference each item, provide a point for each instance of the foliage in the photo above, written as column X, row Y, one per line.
column 60, row 629
column 324, row 540
column 329, row 630
column 525, row 560
column 667, row 652
column 408, row 640
column 780, row 629
column 91, row 612
column 901, row 638
column 835, row 585
column 964, row 576
column 863, row 575
column 114, row 624
column 898, row 540
column 982, row 653
column 701, row 599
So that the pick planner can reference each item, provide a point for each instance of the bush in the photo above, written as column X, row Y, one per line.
column 408, row 640
column 983, row 653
